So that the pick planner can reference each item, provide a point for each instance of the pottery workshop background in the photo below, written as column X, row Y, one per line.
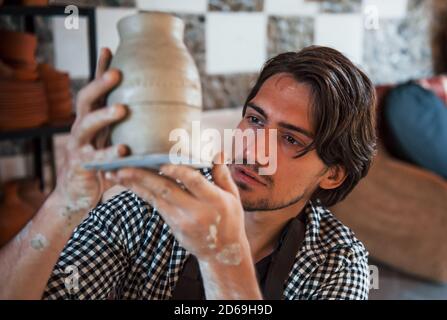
column 231, row 39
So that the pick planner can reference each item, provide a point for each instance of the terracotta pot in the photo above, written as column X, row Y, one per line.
column 22, row 104
column 18, row 46
column 160, row 84
column 25, row 75
column 63, row 95
column 35, row 2
column 6, row 72
column 58, row 92
column 61, row 111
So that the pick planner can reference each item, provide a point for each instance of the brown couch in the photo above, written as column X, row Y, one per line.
column 400, row 210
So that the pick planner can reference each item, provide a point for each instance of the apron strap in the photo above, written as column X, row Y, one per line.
column 283, row 260
column 190, row 287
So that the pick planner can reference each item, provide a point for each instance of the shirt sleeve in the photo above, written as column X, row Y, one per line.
column 347, row 276
column 94, row 261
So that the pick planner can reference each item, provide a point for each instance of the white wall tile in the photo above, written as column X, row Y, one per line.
column 13, row 167
column 106, row 26
column 387, row 9
column 235, row 42
column 291, row 7
column 182, row 6
column 71, row 48
column 343, row 32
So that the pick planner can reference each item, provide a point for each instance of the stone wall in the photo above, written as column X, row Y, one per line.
column 398, row 50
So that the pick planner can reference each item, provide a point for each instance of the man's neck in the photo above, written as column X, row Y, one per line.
column 263, row 228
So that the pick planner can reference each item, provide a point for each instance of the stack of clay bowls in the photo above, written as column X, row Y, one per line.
column 17, row 50
column 23, row 102
column 34, row 2
column 57, row 87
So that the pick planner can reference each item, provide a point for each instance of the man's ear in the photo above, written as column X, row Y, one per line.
column 333, row 177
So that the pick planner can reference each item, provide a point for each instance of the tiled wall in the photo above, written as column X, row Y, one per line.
column 230, row 39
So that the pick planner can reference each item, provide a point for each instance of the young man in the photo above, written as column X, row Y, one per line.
column 241, row 236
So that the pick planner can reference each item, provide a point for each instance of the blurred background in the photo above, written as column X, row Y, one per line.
column 399, row 211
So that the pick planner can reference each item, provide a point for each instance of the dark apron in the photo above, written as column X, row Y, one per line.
column 190, row 287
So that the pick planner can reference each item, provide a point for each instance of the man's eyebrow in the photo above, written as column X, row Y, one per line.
column 258, row 109
column 284, row 125
column 295, row 128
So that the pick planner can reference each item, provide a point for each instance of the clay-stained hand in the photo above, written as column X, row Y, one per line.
column 79, row 189
column 206, row 218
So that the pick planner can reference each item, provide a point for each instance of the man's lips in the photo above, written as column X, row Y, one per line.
column 244, row 174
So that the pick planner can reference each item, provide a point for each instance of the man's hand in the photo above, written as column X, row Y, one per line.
column 206, row 218
column 79, row 189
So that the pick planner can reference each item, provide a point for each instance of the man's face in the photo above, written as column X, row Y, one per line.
column 282, row 104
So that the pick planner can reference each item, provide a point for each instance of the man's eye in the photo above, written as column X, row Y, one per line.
column 293, row 141
column 253, row 119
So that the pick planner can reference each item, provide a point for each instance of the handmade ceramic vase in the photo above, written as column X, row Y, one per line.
column 160, row 83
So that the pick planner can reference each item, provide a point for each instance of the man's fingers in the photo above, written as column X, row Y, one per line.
column 102, row 139
column 109, row 153
column 88, row 127
column 161, row 187
column 96, row 90
column 192, row 179
column 222, row 176
column 105, row 57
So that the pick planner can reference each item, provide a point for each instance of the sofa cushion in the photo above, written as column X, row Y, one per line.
column 417, row 120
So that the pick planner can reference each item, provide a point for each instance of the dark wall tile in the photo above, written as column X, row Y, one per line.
column 400, row 49
column 94, row 3
column 226, row 91
column 194, row 38
column 341, row 6
column 236, row 5
column 289, row 34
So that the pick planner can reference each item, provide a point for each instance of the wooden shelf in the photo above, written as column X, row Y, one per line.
column 42, row 136
column 50, row 10
column 29, row 12
column 46, row 130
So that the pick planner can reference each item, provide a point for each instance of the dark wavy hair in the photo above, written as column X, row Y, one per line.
column 342, row 114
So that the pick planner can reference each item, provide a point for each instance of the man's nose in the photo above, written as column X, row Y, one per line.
column 258, row 148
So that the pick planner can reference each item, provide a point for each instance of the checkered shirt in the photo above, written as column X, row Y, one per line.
column 124, row 250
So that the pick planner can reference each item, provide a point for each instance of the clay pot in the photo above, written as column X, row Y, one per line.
column 6, row 72
column 18, row 46
column 22, row 104
column 34, row 2
column 57, row 88
column 160, row 84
